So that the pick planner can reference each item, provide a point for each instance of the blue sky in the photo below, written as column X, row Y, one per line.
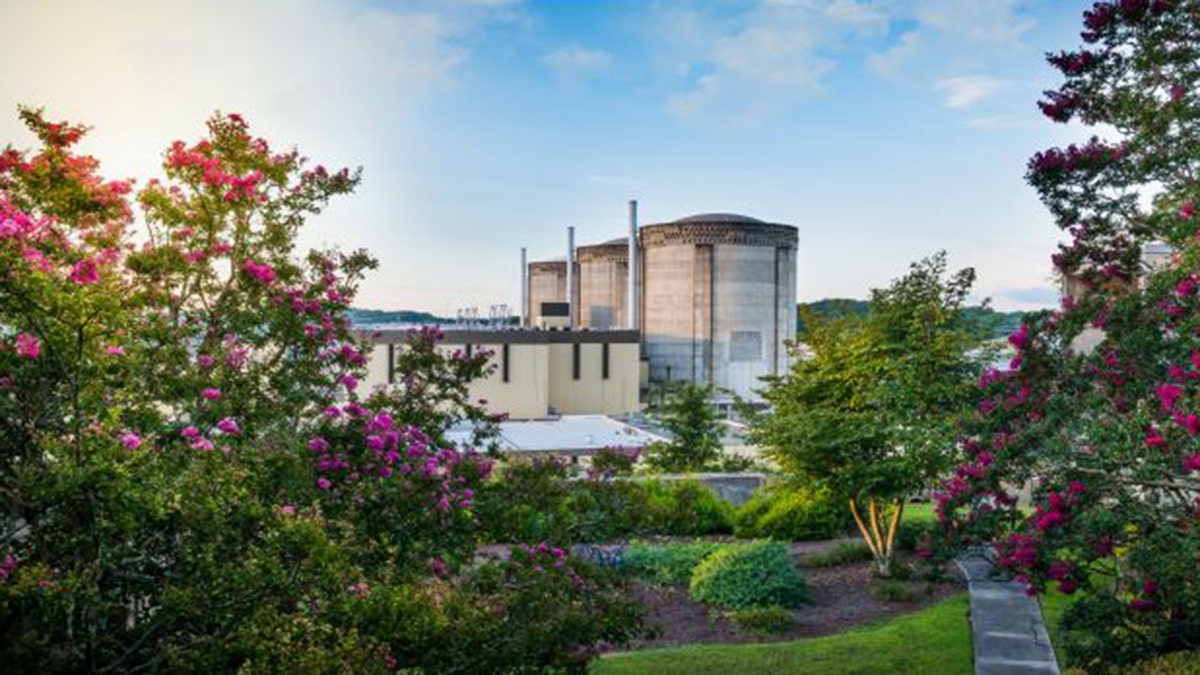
column 885, row 130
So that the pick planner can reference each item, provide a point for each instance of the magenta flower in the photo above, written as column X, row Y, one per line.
column 202, row 444
column 287, row 510
column 1168, row 394
column 318, row 444
column 1192, row 463
column 115, row 350
column 131, row 441
column 28, row 346
column 205, row 361
column 1187, row 211
column 210, row 394
column 323, row 483
column 259, row 271
column 190, row 432
column 86, row 272
column 229, row 426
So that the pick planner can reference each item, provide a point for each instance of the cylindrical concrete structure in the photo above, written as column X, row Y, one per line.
column 547, row 283
column 603, row 279
column 572, row 298
column 718, row 300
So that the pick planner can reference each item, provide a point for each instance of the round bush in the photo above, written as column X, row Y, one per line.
column 761, row 574
column 791, row 515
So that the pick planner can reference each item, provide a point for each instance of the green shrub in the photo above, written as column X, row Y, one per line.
column 687, row 508
column 763, row 620
column 895, row 590
column 1098, row 632
column 760, row 574
column 1177, row 663
column 668, row 563
column 791, row 515
column 527, row 501
column 844, row 553
column 608, row 510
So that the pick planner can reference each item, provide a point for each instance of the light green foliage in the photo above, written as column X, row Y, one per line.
column 788, row 514
column 872, row 416
column 763, row 620
column 687, row 508
column 755, row 575
column 668, row 563
column 688, row 415
column 934, row 640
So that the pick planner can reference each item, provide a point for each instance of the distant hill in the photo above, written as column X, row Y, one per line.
column 372, row 316
column 994, row 324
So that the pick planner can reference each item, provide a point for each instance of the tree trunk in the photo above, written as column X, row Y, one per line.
column 873, row 533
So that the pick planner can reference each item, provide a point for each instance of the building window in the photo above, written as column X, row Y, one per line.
column 604, row 361
column 504, row 362
column 575, row 360
column 468, row 347
column 391, row 357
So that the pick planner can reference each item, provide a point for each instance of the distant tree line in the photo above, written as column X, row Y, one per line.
column 988, row 322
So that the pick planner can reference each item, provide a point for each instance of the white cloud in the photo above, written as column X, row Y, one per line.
column 775, row 51
column 575, row 61
column 979, row 20
column 895, row 56
column 964, row 92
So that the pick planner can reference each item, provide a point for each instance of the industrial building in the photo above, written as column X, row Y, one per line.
column 537, row 374
column 713, row 296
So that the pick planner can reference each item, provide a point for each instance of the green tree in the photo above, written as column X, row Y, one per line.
column 688, row 415
column 871, row 416
column 1108, row 424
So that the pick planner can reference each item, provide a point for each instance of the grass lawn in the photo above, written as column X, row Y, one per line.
column 933, row 640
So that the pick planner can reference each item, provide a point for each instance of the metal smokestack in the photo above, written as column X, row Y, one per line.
column 524, row 290
column 631, row 289
column 571, row 276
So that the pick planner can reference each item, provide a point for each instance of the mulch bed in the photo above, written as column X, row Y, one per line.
column 841, row 599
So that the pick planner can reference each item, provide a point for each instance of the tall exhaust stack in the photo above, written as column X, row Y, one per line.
column 571, row 276
column 631, row 287
column 524, row 290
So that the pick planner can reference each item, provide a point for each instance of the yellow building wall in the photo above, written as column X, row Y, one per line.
column 526, row 394
column 591, row 393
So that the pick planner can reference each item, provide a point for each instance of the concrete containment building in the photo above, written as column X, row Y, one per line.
column 718, row 300
column 715, row 296
column 603, row 271
column 547, row 284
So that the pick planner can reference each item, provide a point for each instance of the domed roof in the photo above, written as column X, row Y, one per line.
column 728, row 218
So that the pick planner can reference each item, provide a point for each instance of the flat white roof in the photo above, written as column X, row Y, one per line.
column 569, row 433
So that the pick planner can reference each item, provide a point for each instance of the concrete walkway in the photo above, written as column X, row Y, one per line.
column 1007, row 631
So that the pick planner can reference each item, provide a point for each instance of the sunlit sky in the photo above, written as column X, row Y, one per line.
column 884, row 130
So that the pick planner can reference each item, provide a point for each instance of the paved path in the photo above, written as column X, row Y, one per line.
column 1007, row 631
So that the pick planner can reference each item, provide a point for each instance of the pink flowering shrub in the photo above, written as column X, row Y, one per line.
column 1111, row 435
column 192, row 481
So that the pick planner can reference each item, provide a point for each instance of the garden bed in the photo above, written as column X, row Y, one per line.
column 841, row 598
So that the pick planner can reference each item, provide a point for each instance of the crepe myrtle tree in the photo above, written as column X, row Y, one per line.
column 1110, row 433
column 191, row 480
column 872, row 415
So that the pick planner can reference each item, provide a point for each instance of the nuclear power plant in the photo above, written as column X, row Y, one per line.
column 709, row 299
column 713, row 296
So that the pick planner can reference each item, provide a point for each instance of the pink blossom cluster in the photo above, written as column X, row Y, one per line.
column 1105, row 15
column 7, row 566
column 372, row 444
column 1091, row 156
column 260, row 271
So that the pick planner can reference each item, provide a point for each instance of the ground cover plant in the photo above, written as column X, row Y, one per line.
column 670, row 563
column 193, row 481
column 1100, row 405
